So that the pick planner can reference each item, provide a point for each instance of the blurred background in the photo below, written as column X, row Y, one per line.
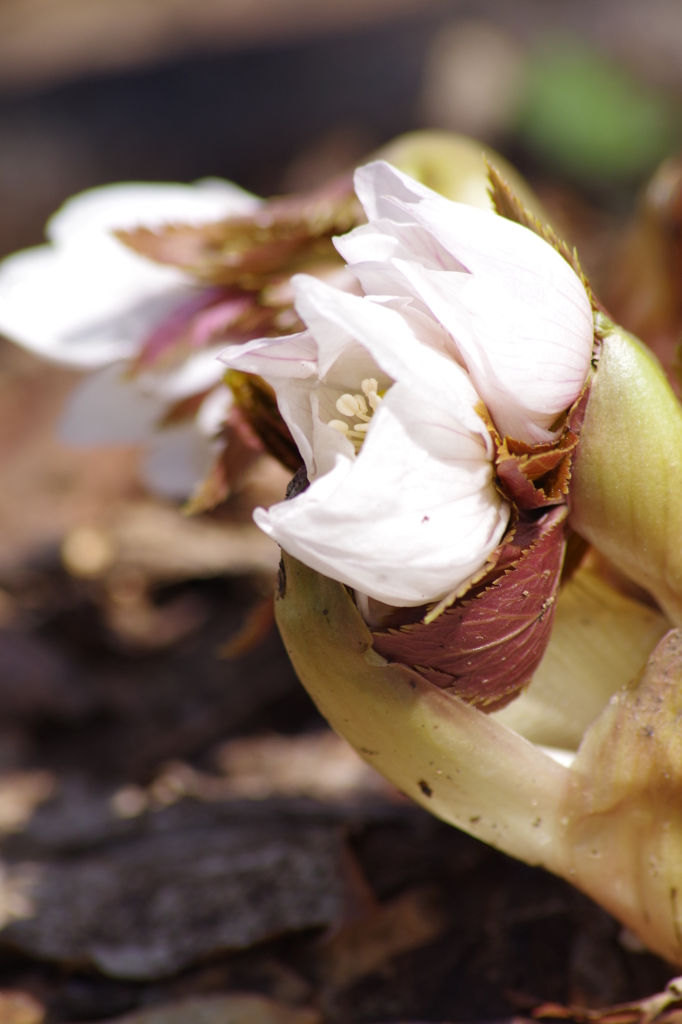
column 274, row 95
column 175, row 821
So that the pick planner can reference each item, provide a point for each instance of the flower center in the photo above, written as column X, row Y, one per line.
column 359, row 409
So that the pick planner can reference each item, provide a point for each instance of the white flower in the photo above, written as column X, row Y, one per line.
column 519, row 315
column 88, row 301
column 380, row 392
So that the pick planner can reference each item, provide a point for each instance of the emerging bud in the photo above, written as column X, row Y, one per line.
column 626, row 485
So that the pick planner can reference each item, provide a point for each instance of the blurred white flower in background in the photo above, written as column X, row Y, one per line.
column 88, row 301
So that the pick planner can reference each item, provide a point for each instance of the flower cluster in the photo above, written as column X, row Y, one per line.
column 440, row 397
column 466, row 319
column 382, row 392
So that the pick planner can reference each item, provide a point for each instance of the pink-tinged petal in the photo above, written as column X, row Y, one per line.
column 379, row 185
column 294, row 355
column 372, row 250
column 197, row 374
column 185, row 323
column 502, row 254
column 217, row 320
column 384, row 241
column 414, row 515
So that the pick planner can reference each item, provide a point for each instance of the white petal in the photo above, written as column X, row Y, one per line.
column 397, row 343
column 383, row 240
column 112, row 407
column 176, row 460
column 213, row 411
column 146, row 204
column 521, row 363
column 198, row 372
column 414, row 515
column 522, row 319
column 108, row 408
column 86, row 305
column 289, row 365
column 87, row 300
column 294, row 403
column 378, row 185
column 328, row 444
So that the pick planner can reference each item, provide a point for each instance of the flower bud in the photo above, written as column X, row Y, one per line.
column 454, row 166
column 626, row 484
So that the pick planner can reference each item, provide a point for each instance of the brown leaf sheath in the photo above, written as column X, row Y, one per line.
column 280, row 237
column 257, row 403
column 486, row 647
column 240, row 446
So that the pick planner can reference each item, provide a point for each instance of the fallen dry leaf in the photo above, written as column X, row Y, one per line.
column 320, row 765
column 407, row 922
column 20, row 794
column 230, row 1009
column 662, row 1007
column 159, row 542
column 20, row 1008
column 47, row 488
column 258, row 622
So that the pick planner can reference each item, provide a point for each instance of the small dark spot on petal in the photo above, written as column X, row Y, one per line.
column 425, row 788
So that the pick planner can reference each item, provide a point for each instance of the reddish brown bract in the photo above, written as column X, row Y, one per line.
column 486, row 647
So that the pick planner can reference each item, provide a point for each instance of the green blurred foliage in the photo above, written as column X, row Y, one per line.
column 591, row 119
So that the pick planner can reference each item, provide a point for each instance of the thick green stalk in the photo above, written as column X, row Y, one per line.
column 611, row 824
column 457, row 762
